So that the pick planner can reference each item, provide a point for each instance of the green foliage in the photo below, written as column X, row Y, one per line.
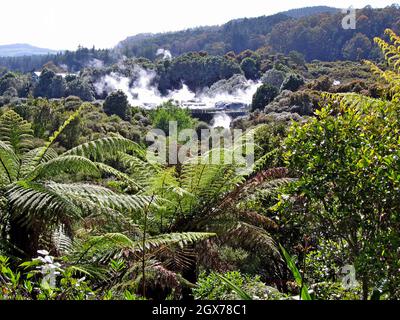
column 358, row 48
column 292, row 82
column 117, row 103
column 335, row 291
column 196, row 70
column 325, row 261
column 16, row 132
column 273, row 77
column 29, row 283
column 243, row 295
column 250, row 68
column 37, row 205
column 167, row 112
column 304, row 294
column 233, row 286
column 263, row 96
column 346, row 159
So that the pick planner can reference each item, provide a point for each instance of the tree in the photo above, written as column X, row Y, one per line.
column 264, row 95
column 36, row 205
column 297, row 57
column 348, row 163
column 58, row 87
column 43, row 87
column 80, row 88
column 357, row 48
column 167, row 112
column 250, row 68
column 273, row 77
column 117, row 103
column 292, row 82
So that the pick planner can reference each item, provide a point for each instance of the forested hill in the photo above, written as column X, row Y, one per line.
column 315, row 32
column 21, row 49
column 236, row 35
column 308, row 11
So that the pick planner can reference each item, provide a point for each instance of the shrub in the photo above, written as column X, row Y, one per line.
column 211, row 287
column 273, row 77
column 117, row 103
column 293, row 82
column 167, row 112
column 263, row 96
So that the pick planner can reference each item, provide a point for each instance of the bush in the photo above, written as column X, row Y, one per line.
column 273, row 77
column 250, row 68
column 117, row 103
column 167, row 112
column 347, row 160
column 263, row 96
column 293, row 82
column 211, row 287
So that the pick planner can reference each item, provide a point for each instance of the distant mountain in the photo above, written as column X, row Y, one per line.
column 309, row 11
column 22, row 49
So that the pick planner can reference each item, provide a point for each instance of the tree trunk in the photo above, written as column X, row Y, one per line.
column 25, row 239
column 365, row 285
column 190, row 274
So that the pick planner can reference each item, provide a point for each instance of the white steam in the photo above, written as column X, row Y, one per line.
column 95, row 63
column 142, row 91
column 221, row 120
column 166, row 54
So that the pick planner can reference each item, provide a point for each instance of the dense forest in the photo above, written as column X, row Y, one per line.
column 87, row 214
column 316, row 36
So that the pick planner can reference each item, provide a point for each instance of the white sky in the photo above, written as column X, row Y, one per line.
column 64, row 24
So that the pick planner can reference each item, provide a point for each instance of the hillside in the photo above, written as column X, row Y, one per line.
column 309, row 11
column 22, row 49
column 236, row 35
column 315, row 35
column 316, row 32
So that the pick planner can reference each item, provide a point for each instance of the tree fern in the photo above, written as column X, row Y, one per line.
column 38, row 159
column 116, row 245
column 37, row 205
column 391, row 52
column 102, row 148
column 16, row 132
column 8, row 163
column 64, row 164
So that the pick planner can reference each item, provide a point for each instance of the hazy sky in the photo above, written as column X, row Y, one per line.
column 64, row 24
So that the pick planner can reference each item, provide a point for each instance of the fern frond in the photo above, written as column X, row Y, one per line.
column 28, row 164
column 257, row 219
column 61, row 241
column 140, row 170
column 16, row 132
column 64, row 164
column 251, row 237
column 116, row 245
column 100, row 196
column 32, row 200
column 8, row 163
column 119, row 175
column 102, row 148
column 391, row 52
column 41, row 154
